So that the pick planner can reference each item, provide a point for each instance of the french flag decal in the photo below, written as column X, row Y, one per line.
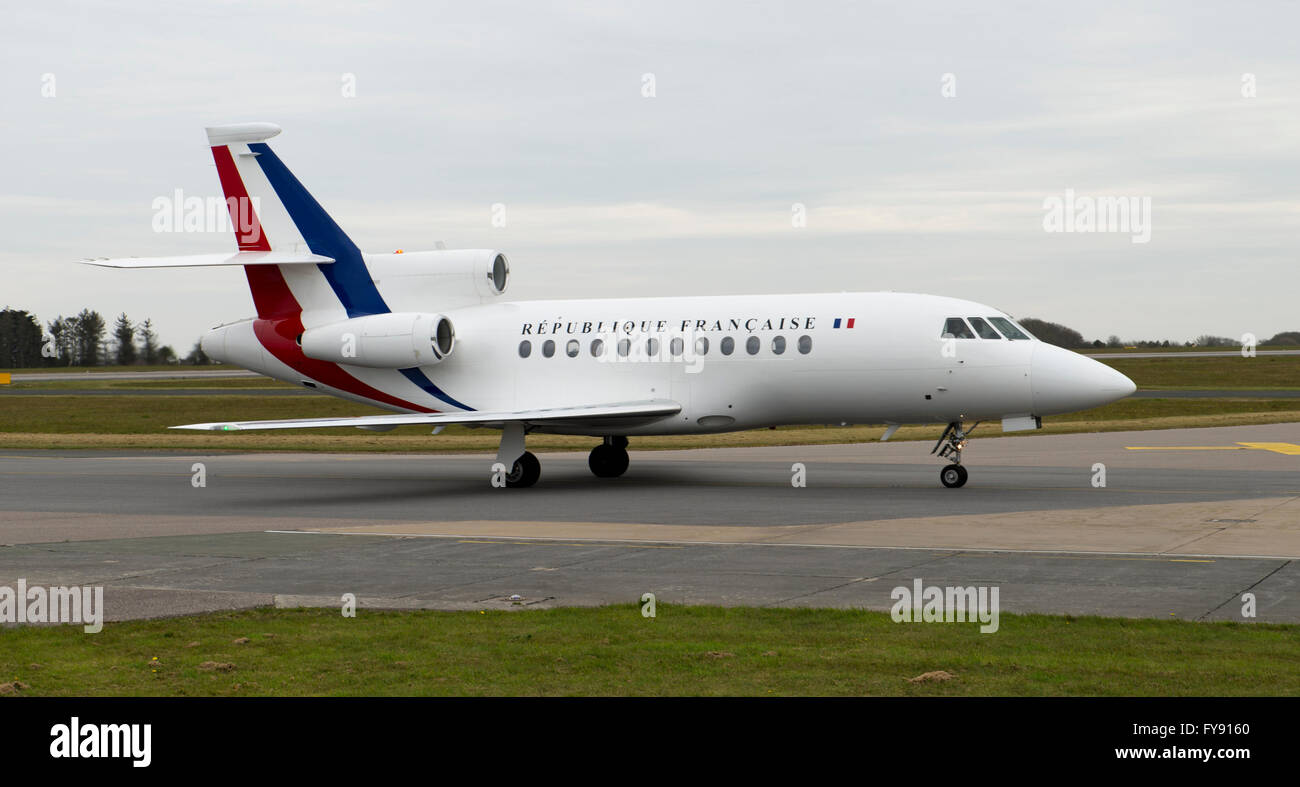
column 843, row 322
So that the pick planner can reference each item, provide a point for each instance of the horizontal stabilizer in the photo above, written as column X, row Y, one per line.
column 234, row 133
column 648, row 410
column 210, row 260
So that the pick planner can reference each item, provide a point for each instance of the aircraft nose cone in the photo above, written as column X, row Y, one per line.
column 1064, row 382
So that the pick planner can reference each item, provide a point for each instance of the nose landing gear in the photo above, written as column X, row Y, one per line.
column 953, row 440
column 952, row 476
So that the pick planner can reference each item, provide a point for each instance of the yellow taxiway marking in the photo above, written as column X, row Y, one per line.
column 1290, row 449
column 1184, row 448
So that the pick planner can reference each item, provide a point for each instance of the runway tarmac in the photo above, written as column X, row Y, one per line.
column 165, row 392
column 1186, row 522
column 180, row 373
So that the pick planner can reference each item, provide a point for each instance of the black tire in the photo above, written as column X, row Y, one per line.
column 525, row 472
column 953, row 476
column 607, row 461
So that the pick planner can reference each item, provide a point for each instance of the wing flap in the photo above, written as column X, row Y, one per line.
column 648, row 410
column 211, row 260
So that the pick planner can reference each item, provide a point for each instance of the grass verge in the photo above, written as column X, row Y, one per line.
column 1260, row 372
column 613, row 650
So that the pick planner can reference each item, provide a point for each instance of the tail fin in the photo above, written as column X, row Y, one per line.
column 271, row 211
column 255, row 211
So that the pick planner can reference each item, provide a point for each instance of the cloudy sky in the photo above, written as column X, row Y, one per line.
column 757, row 106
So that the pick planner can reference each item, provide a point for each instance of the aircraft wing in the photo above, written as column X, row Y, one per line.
column 623, row 411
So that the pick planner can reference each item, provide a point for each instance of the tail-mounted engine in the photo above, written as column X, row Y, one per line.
column 447, row 278
column 383, row 341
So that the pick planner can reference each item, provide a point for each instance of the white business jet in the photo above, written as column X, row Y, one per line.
column 429, row 336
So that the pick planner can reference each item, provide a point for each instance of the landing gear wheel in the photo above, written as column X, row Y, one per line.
column 953, row 476
column 608, row 461
column 525, row 472
column 952, row 442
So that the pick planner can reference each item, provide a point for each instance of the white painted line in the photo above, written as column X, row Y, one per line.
column 1078, row 553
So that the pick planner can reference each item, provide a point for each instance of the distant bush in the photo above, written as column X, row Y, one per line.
column 1215, row 341
column 1054, row 333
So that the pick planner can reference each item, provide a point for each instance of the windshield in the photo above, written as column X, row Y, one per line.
column 1009, row 328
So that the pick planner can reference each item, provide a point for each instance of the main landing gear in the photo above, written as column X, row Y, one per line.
column 525, row 472
column 953, row 441
column 524, row 467
column 609, row 459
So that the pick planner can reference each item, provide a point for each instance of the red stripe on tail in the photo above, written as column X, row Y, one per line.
column 280, row 338
column 248, row 230
column 271, row 295
column 280, row 315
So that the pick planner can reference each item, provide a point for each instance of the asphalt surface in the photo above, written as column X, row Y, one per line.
column 8, row 391
column 1187, row 522
column 186, row 374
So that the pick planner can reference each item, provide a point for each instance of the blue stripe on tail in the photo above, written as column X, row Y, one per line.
column 347, row 275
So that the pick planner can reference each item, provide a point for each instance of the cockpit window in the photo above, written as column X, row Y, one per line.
column 984, row 329
column 956, row 328
column 1008, row 328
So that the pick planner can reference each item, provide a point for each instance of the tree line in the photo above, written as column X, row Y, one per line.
column 84, row 339
column 1061, row 336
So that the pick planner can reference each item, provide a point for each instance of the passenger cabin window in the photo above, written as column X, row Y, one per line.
column 728, row 345
column 701, row 346
column 675, row 348
column 624, row 347
column 805, row 344
column 778, row 345
column 984, row 329
column 1008, row 328
column 571, row 349
column 597, row 348
column 956, row 328
column 525, row 348
column 548, row 348
column 752, row 344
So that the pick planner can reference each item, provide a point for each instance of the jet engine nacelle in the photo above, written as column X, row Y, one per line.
column 456, row 276
column 382, row 341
